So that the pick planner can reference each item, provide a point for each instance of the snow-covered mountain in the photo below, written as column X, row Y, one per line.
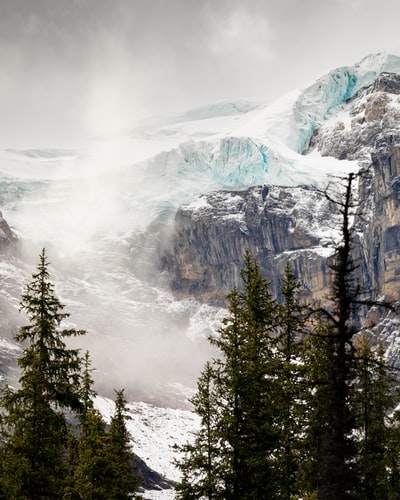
column 136, row 223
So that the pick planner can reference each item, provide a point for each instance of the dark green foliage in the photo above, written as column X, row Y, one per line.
column 101, row 464
column 348, row 432
column 248, row 382
column 236, row 402
column 42, row 455
column 46, row 350
column 291, row 407
column 373, row 400
column 336, row 446
column 202, row 468
column 34, row 430
column 92, row 470
column 123, row 479
column 297, row 406
column 88, row 465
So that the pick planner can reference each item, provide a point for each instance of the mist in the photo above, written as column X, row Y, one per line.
column 91, row 210
column 84, row 76
column 72, row 70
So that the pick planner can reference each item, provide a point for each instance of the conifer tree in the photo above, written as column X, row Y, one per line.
column 202, row 464
column 374, row 399
column 124, row 480
column 249, row 347
column 34, row 430
column 246, row 432
column 92, row 471
column 336, row 473
column 335, row 424
column 290, row 398
column 87, row 461
column 316, row 357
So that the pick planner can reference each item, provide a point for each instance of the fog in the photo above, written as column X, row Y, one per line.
column 83, row 75
column 91, row 211
column 73, row 69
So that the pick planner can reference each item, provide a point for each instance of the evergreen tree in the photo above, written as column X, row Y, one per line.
column 284, row 415
column 374, row 399
column 290, row 398
column 246, row 430
column 92, row 470
column 88, row 468
column 87, row 393
column 101, row 464
column 202, row 464
column 124, row 480
column 316, row 357
column 249, row 423
column 34, row 430
column 335, row 467
column 342, row 391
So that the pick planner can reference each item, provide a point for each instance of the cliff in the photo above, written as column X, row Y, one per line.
column 204, row 253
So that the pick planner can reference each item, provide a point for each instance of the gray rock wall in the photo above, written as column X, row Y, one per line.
column 275, row 224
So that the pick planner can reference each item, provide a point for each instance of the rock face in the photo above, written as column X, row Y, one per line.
column 8, row 239
column 204, row 254
column 373, row 139
column 275, row 224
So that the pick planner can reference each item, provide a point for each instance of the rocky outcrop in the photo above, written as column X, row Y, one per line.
column 373, row 139
column 204, row 254
column 8, row 239
column 275, row 224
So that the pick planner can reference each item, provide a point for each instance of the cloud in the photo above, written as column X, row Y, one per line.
column 242, row 33
column 72, row 68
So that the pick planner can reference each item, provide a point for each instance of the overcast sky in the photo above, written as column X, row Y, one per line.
column 73, row 68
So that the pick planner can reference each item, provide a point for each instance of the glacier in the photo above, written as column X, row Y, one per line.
column 90, row 206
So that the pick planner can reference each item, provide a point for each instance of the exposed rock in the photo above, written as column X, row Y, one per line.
column 8, row 239
column 373, row 139
column 204, row 255
column 276, row 224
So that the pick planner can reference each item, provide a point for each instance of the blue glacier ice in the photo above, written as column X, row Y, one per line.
column 318, row 101
column 226, row 146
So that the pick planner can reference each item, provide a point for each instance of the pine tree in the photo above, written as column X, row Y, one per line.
column 290, row 399
column 101, row 464
column 249, row 348
column 93, row 471
column 245, row 430
column 336, row 459
column 124, row 480
column 88, row 467
column 87, row 393
column 317, row 358
column 335, row 466
column 202, row 464
column 34, row 430
column 374, row 399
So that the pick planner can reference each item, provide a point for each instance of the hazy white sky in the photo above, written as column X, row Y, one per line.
column 73, row 68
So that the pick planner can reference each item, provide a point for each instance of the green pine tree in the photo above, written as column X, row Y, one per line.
column 93, row 471
column 290, row 398
column 374, row 400
column 88, row 468
column 245, row 431
column 316, row 358
column 124, row 479
column 335, row 474
column 342, row 383
column 202, row 464
column 34, row 429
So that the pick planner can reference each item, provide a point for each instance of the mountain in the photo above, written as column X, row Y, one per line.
column 146, row 229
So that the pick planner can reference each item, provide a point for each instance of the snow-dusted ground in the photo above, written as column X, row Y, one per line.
column 88, row 206
column 155, row 431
